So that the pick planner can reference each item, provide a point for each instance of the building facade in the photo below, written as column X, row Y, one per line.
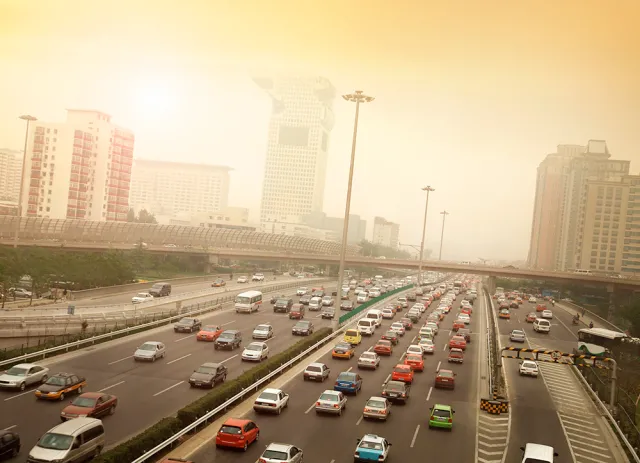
column 385, row 233
column 298, row 141
column 235, row 218
column 10, row 171
column 357, row 226
column 78, row 169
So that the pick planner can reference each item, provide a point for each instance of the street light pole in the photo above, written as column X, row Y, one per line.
column 16, row 235
column 357, row 98
column 444, row 216
column 428, row 189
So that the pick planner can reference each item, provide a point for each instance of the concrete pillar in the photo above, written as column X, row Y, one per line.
column 612, row 302
column 327, row 270
column 491, row 284
column 214, row 259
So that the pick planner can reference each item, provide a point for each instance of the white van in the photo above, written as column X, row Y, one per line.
column 537, row 453
column 541, row 325
column 80, row 439
column 580, row 271
column 249, row 301
column 366, row 326
column 376, row 315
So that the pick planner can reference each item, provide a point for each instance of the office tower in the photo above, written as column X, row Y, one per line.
column 385, row 233
column 10, row 170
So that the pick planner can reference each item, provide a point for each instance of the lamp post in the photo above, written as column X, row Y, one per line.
column 357, row 98
column 444, row 216
column 16, row 236
column 428, row 189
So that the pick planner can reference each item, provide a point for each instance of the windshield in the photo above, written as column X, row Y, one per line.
column 84, row 402
column 329, row 397
column 262, row 328
column 206, row 370
column 142, row 294
column 401, row 369
column 274, row 455
column 370, row 445
column 302, row 325
column 210, row 329
column 56, row 381
column 16, row 371
column 395, row 386
column 345, row 377
column 55, row 441
column 351, row 333
column 445, row 374
column 368, row 355
column 282, row 301
column 186, row 321
column 314, row 368
column 148, row 347
column 268, row 396
column 243, row 300
column 254, row 347
column 441, row 413
column 343, row 345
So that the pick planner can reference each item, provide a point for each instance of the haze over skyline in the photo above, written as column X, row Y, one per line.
column 466, row 100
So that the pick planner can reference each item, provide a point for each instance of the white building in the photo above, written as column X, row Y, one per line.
column 10, row 171
column 385, row 233
column 300, row 229
column 170, row 188
column 298, row 141
column 230, row 217
column 78, row 169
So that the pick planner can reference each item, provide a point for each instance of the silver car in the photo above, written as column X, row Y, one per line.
column 150, row 351
column 281, row 453
column 517, row 336
column 331, row 402
column 23, row 375
column 369, row 360
column 262, row 332
column 271, row 401
column 377, row 408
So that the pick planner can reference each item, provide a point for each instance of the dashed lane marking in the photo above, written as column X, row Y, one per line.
column 110, row 387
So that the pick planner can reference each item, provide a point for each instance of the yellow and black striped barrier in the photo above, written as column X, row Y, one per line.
column 494, row 407
column 556, row 357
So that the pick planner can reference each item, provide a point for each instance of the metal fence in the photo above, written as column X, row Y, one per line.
column 349, row 315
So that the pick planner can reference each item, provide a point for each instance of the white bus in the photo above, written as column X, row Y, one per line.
column 580, row 271
column 249, row 301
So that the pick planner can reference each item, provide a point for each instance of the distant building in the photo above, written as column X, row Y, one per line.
column 299, row 229
column 10, row 171
column 78, row 169
column 236, row 218
column 8, row 208
column 169, row 188
column 385, row 233
column 357, row 226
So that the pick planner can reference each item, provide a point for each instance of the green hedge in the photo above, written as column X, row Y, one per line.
column 165, row 428
column 370, row 302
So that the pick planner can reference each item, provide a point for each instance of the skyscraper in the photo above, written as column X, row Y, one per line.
column 296, row 164
column 385, row 233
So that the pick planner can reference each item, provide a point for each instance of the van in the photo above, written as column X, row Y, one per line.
column 375, row 315
column 362, row 297
column 541, row 325
column 160, row 290
column 367, row 326
column 249, row 301
column 537, row 453
column 80, row 439
column 582, row 272
column 442, row 287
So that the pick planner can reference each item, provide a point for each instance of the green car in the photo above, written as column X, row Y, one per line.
column 441, row 416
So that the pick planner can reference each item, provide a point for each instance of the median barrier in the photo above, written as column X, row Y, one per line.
column 349, row 315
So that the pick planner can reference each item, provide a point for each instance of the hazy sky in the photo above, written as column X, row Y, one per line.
column 470, row 94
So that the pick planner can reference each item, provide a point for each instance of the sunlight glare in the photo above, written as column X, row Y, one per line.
column 155, row 99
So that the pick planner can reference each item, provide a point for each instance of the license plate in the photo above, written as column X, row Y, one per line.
column 393, row 395
column 198, row 383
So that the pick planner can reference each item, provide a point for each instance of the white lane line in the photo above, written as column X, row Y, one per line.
column 386, row 380
column 403, row 356
column 121, row 360
column 269, row 339
column 444, row 347
column 167, row 389
column 18, row 395
column 415, row 435
column 318, row 316
column 228, row 323
column 186, row 337
column 178, row 359
column 109, row 387
column 310, row 408
column 369, row 349
column 350, row 368
column 230, row 358
column 359, row 420
column 429, row 393
column 438, row 368
column 332, row 461
column 10, row 427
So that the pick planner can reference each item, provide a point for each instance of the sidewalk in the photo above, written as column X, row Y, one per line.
column 587, row 318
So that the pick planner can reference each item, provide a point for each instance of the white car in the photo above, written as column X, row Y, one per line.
column 466, row 319
column 369, row 360
column 264, row 331
column 528, row 368
column 546, row 314
column 362, row 297
column 404, row 302
column 302, row 291
column 255, row 352
column 258, row 277
column 327, row 301
column 150, row 351
column 427, row 345
column 242, row 279
column 315, row 303
column 533, row 300
column 331, row 402
column 281, row 453
column 387, row 314
column 415, row 349
column 22, row 375
column 433, row 326
column 141, row 297
column 316, row 372
column 421, row 307
column 398, row 327
column 271, row 401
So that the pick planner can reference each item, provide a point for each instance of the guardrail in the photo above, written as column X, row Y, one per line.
column 349, row 315
column 580, row 309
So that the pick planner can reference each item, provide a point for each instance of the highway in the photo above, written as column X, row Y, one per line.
column 552, row 409
column 329, row 439
column 146, row 392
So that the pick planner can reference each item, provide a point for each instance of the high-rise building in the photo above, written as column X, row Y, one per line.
column 78, row 169
column 385, row 233
column 298, row 141
column 169, row 188
column 357, row 226
column 10, row 171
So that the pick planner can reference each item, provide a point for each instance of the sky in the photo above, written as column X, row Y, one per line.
column 470, row 94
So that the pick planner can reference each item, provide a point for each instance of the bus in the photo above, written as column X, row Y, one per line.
column 600, row 342
column 249, row 301
column 457, row 284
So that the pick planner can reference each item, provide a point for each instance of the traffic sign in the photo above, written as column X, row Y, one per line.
column 556, row 355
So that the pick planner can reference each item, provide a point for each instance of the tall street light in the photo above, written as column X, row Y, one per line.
column 428, row 189
column 357, row 98
column 16, row 236
column 444, row 216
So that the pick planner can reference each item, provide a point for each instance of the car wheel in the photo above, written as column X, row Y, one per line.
column 153, row 359
column 257, row 437
column 112, row 410
column 61, row 397
column 246, row 446
column 44, row 379
column 79, row 390
column 14, row 452
column 23, row 386
column 279, row 410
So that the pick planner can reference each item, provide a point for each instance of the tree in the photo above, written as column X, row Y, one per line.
column 631, row 313
column 370, row 249
column 143, row 216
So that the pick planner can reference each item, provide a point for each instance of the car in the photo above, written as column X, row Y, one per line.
column 297, row 312
column 377, row 408
column 396, row 391
column 415, row 349
column 302, row 328
column 218, row 282
column 328, row 313
column 402, row 372
column 150, row 351
column 343, row 350
column 455, row 355
column 538, row 453
column 441, row 416
column 504, row 313
column 517, row 336
column 369, row 360
column 514, row 305
column 283, row 304
column 281, row 453
column 242, row 279
column 237, row 433
column 465, row 310
column 531, row 317
column 209, row 333
column 9, row 444
column 426, row 332
column 257, row 277
column 398, row 328
column 407, row 323
column 346, row 305
column 457, row 342
column 457, row 324
column 427, row 345
column 388, row 314
column 391, row 336
column 255, row 352
column 271, row 401
column 327, row 301
column 371, row 448
column 208, row 375
column 141, row 297
column 466, row 333
column 302, row 291
column 348, row 381
column 415, row 361
column 445, row 379
column 383, row 347
column 304, row 300
column 466, row 319
column 315, row 303
column 59, row 385
column 22, row 375
column 546, row 314
column 353, row 337
column 331, row 402
column 187, row 325
column 533, row 300
column 228, row 339
column 528, row 368
column 433, row 325
column 316, row 372
column 541, row 307
column 413, row 316
column 262, row 331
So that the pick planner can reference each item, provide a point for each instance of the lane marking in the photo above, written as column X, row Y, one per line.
column 167, row 389
column 359, row 420
column 186, row 337
column 228, row 323
column 444, row 347
column 310, row 408
column 18, row 395
column 226, row 360
column 269, row 339
column 178, row 359
column 10, row 427
column 438, row 367
column 429, row 393
column 109, row 387
column 403, row 356
column 121, row 360
column 369, row 349
column 415, row 435
column 386, row 380
column 350, row 368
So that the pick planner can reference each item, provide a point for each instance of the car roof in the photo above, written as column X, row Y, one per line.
column 63, row 374
column 539, row 451
column 72, row 426
column 257, row 343
column 271, row 390
column 92, row 395
column 210, row 365
column 230, row 331
column 456, row 350
column 155, row 343
column 316, row 364
column 372, row 438
column 279, row 447
column 330, row 391
column 25, row 365
column 235, row 422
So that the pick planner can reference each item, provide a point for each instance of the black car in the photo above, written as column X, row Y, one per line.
column 328, row 313
column 302, row 328
column 160, row 290
column 9, row 444
column 396, row 391
column 346, row 305
column 391, row 336
column 187, row 325
column 304, row 300
column 228, row 339
column 208, row 375
column 283, row 305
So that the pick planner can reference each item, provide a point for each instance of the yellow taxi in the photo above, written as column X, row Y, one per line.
column 343, row 350
column 504, row 313
column 353, row 337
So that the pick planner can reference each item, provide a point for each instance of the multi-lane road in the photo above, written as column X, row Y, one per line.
column 330, row 439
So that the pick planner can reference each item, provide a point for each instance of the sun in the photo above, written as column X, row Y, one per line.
column 155, row 98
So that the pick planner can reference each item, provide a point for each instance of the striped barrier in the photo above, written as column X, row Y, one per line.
column 494, row 407
column 557, row 357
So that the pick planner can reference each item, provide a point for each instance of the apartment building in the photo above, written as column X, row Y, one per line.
column 10, row 171
column 385, row 233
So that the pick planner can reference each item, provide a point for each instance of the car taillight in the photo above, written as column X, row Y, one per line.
column 432, row 418
column 383, row 412
column 317, row 403
column 450, row 420
column 336, row 406
column 404, row 395
column 262, row 460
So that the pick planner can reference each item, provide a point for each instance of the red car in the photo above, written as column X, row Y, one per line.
column 407, row 323
column 383, row 348
column 296, row 312
column 91, row 405
column 504, row 305
column 445, row 379
column 416, row 362
column 541, row 307
column 457, row 342
column 402, row 373
column 209, row 333
column 457, row 325
column 456, row 355
column 237, row 433
column 466, row 310
column 531, row 317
